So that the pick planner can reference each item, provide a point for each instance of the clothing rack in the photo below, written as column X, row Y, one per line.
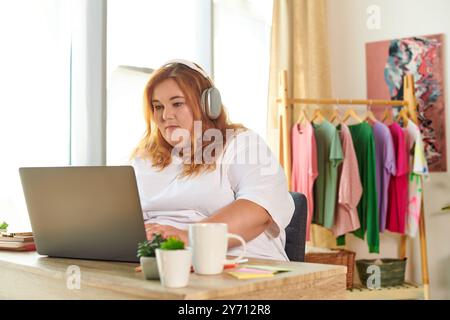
column 285, row 106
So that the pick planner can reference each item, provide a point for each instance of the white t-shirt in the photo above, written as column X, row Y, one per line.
column 247, row 169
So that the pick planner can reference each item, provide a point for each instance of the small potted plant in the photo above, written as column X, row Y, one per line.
column 174, row 263
column 172, row 243
column 3, row 227
column 146, row 254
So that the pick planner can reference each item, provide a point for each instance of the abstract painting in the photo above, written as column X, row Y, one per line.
column 388, row 61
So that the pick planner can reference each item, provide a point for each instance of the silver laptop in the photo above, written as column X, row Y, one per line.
column 84, row 212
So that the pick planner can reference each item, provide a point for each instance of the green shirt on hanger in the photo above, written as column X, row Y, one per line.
column 329, row 156
column 364, row 143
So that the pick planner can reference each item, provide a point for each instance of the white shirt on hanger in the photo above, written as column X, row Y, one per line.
column 169, row 200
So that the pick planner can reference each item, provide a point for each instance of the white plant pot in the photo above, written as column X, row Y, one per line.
column 150, row 268
column 174, row 267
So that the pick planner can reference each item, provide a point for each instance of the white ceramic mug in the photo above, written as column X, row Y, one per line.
column 174, row 267
column 209, row 243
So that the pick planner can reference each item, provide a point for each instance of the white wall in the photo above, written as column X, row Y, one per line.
column 348, row 34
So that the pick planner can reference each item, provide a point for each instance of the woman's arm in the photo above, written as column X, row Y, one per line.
column 244, row 218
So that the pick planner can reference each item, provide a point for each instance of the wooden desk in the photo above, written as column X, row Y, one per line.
column 27, row 275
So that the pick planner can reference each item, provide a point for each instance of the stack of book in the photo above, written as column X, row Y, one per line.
column 19, row 241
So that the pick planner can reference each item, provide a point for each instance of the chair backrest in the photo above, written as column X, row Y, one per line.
column 296, row 230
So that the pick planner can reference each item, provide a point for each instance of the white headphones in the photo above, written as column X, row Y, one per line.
column 210, row 100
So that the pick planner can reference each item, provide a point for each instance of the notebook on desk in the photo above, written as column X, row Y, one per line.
column 15, row 238
column 84, row 212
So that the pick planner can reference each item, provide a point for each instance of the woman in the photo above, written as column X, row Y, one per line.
column 186, row 176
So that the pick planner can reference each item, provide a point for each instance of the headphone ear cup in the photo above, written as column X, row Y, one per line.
column 212, row 103
column 203, row 102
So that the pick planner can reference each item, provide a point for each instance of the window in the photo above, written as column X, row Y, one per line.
column 230, row 40
column 35, row 98
column 241, row 59
column 142, row 35
column 126, row 123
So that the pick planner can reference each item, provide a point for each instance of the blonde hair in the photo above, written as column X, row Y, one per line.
column 153, row 146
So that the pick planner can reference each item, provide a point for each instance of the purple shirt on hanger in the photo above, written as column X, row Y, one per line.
column 385, row 167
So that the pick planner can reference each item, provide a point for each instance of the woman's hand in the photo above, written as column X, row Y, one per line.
column 166, row 231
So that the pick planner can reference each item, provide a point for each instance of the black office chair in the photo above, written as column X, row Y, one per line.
column 296, row 230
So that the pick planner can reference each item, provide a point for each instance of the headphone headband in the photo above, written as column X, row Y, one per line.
column 189, row 64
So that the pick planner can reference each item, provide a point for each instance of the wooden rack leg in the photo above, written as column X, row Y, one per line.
column 423, row 253
column 403, row 247
column 284, row 125
column 280, row 142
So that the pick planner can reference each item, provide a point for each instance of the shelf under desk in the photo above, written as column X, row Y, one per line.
column 28, row 275
column 406, row 291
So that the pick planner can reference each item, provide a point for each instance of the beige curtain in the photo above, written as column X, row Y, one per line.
column 299, row 45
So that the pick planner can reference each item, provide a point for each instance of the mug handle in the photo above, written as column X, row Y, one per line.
column 244, row 248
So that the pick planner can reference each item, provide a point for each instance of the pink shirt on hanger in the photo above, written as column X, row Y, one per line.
column 304, row 166
column 350, row 188
column 398, row 185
